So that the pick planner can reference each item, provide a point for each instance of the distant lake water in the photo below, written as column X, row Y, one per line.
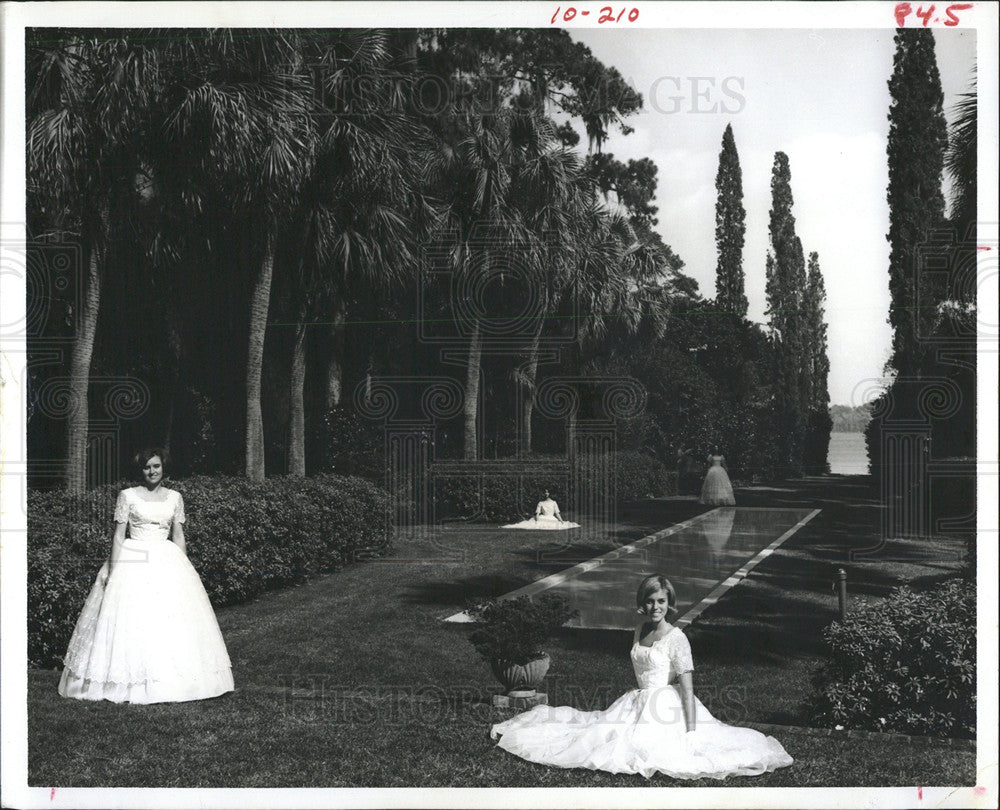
column 848, row 454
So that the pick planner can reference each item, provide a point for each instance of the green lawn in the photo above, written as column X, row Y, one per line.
column 353, row 680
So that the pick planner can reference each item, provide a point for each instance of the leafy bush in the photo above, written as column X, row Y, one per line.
column 348, row 444
column 243, row 537
column 817, row 446
column 515, row 630
column 906, row 665
column 638, row 475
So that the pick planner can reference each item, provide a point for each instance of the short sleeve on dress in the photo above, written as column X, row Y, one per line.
column 680, row 653
column 179, row 509
column 122, row 507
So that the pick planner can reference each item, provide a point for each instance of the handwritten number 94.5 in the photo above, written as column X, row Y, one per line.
column 903, row 10
column 607, row 14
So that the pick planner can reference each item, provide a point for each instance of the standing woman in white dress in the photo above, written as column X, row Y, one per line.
column 717, row 489
column 147, row 632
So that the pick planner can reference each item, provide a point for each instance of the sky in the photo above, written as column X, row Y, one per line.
column 820, row 96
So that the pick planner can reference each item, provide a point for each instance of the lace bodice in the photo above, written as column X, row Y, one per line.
column 716, row 460
column 547, row 508
column 661, row 663
column 149, row 520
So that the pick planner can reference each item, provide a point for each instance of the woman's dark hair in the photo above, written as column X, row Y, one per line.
column 654, row 583
column 145, row 454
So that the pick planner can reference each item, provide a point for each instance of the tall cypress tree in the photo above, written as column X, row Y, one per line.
column 730, row 229
column 816, row 370
column 814, row 307
column 918, row 138
column 786, row 280
column 786, row 275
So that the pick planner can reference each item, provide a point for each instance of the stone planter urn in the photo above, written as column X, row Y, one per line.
column 521, row 680
column 512, row 630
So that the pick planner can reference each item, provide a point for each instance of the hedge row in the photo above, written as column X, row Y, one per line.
column 243, row 538
column 906, row 665
column 502, row 498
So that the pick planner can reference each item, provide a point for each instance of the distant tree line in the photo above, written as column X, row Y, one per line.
column 850, row 419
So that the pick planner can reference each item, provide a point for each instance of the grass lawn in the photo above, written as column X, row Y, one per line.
column 353, row 680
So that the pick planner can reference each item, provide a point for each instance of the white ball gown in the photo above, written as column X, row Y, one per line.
column 545, row 519
column 147, row 633
column 643, row 731
column 717, row 489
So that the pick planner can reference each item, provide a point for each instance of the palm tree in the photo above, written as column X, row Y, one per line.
column 472, row 173
column 362, row 208
column 546, row 191
column 961, row 163
column 512, row 75
column 87, row 101
column 241, row 105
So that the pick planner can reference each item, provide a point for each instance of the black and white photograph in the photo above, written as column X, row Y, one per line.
column 497, row 400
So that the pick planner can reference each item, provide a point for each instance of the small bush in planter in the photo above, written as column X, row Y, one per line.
column 515, row 630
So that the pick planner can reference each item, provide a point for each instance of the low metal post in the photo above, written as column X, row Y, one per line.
column 842, row 592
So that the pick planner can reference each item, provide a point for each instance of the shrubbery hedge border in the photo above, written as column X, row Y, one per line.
column 243, row 537
column 502, row 497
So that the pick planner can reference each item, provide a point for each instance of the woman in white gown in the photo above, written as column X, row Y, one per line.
column 717, row 489
column 661, row 727
column 546, row 517
column 147, row 632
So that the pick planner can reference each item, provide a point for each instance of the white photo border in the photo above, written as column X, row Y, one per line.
column 14, row 18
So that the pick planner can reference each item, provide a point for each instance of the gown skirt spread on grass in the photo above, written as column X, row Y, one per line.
column 643, row 731
column 147, row 633
column 717, row 489
column 544, row 519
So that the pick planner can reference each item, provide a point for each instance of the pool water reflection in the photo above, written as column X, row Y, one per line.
column 703, row 557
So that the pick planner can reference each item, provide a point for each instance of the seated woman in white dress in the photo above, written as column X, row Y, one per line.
column 717, row 489
column 546, row 517
column 661, row 727
column 147, row 632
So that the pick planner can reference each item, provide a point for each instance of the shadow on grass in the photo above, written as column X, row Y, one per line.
column 456, row 591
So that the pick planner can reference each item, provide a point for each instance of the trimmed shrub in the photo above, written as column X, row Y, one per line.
column 905, row 665
column 503, row 498
column 243, row 538
column 493, row 498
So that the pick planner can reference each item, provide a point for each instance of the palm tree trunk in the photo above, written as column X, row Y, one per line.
column 79, row 375
column 471, row 406
column 175, row 348
column 260, row 299
column 296, row 401
column 334, row 365
column 529, row 400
